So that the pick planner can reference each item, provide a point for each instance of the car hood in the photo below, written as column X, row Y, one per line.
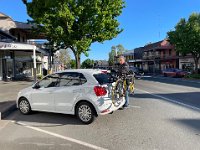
column 26, row 89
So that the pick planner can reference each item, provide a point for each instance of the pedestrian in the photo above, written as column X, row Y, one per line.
column 123, row 70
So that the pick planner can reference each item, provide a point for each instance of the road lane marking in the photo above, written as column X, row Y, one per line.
column 3, row 124
column 61, row 136
column 170, row 100
column 38, row 144
column 133, row 106
column 7, row 121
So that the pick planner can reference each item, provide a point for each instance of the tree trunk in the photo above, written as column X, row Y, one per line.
column 78, row 60
column 196, row 61
column 77, row 57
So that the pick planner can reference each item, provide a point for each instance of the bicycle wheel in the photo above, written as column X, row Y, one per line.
column 118, row 92
column 131, row 85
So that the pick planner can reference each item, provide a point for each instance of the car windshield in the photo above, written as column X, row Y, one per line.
column 102, row 78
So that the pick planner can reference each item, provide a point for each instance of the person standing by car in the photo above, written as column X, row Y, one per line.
column 123, row 70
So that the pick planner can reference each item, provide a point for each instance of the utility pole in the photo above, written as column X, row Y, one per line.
column 154, row 61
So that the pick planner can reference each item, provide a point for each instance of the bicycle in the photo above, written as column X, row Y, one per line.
column 120, row 86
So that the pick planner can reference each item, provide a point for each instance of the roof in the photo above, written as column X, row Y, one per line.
column 90, row 71
column 4, row 16
column 129, row 52
column 22, row 25
column 158, row 45
column 7, row 35
column 152, row 45
column 139, row 53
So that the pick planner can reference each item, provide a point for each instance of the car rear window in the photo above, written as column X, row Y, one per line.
column 102, row 78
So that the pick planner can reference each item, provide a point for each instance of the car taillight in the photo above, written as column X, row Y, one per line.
column 100, row 91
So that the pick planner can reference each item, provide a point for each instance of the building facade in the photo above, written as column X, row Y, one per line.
column 155, row 57
column 159, row 56
column 16, row 61
column 134, row 57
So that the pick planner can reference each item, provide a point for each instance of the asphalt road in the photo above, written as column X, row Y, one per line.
column 164, row 114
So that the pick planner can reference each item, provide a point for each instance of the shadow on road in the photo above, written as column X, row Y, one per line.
column 192, row 123
column 190, row 98
column 175, row 81
column 44, row 119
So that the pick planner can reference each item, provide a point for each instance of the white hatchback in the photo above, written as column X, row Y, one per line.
column 81, row 92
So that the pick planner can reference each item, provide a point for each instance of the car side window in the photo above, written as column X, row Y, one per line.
column 72, row 79
column 82, row 79
column 49, row 81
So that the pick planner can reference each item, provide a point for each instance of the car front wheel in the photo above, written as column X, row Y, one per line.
column 24, row 106
column 85, row 112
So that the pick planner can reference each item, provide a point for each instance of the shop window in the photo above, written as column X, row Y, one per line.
column 170, row 52
column 18, row 37
column 163, row 53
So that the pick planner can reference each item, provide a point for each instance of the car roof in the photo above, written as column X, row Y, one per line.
column 88, row 71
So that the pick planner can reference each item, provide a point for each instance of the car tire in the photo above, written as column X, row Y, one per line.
column 24, row 106
column 85, row 112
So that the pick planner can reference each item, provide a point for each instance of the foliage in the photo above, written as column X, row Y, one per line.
column 73, row 64
column 115, row 50
column 88, row 63
column 76, row 24
column 193, row 76
column 120, row 49
column 62, row 57
column 112, row 55
column 186, row 37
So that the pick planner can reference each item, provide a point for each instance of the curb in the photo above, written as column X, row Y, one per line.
column 9, row 107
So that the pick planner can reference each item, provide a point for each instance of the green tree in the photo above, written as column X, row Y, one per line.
column 76, row 24
column 73, row 63
column 63, row 57
column 112, row 54
column 88, row 63
column 120, row 49
column 186, row 37
column 115, row 51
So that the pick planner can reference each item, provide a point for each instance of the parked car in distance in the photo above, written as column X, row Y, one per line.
column 138, row 71
column 81, row 92
column 174, row 72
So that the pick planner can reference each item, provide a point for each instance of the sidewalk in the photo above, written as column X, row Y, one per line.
column 8, row 95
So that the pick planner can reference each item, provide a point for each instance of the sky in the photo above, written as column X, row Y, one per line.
column 143, row 21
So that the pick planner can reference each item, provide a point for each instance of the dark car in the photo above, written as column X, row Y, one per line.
column 138, row 71
column 174, row 72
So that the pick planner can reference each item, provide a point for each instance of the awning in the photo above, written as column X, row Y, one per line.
column 20, row 46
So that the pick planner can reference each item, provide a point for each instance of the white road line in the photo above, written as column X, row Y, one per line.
column 133, row 106
column 62, row 137
column 170, row 100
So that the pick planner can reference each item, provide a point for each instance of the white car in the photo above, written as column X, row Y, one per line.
column 81, row 92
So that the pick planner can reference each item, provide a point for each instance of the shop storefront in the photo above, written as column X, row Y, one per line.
column 17, row 60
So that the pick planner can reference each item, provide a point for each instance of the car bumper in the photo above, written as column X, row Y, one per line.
column 109, row 107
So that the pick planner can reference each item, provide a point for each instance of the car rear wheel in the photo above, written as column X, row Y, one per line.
column 85, row 112
column 24, row 106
